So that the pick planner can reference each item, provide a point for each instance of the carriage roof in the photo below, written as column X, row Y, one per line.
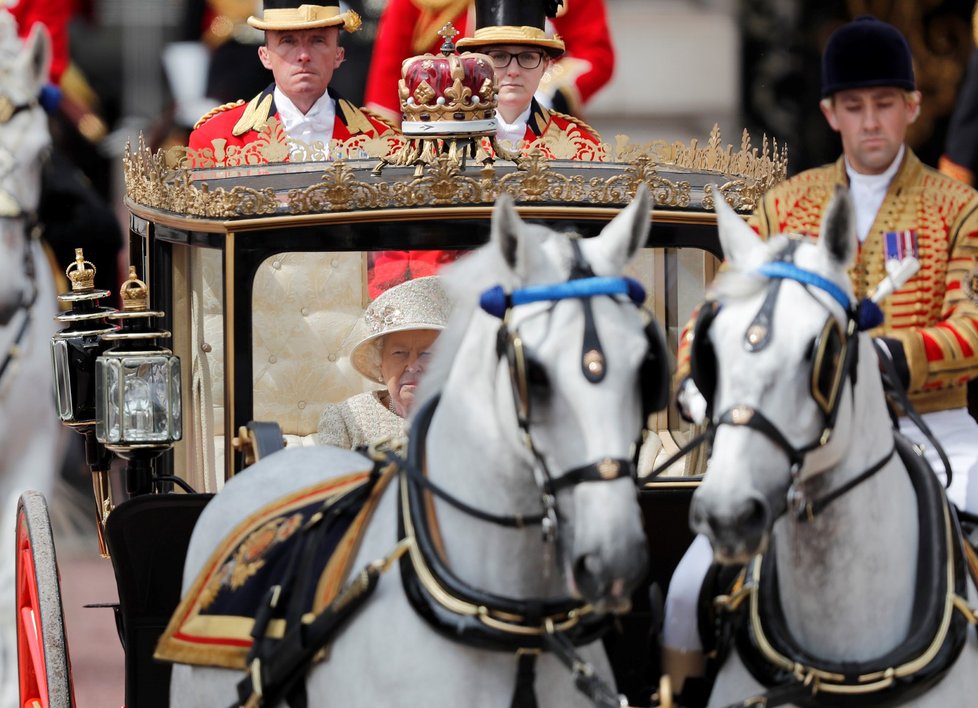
column 250, row 217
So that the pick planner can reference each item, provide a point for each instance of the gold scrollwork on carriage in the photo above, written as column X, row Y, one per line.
column 541, row 174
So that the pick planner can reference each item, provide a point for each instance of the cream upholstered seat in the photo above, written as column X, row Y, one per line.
column 304, row 307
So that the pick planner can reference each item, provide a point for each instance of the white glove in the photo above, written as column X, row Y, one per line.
column 691, row 403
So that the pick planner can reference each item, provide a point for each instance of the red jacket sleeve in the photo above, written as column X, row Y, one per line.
column 584, row 29
column 392, row 46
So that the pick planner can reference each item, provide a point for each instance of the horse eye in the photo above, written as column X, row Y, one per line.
column 536, row 376
column 810, row 354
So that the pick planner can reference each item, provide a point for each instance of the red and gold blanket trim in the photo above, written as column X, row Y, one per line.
column 224, row 641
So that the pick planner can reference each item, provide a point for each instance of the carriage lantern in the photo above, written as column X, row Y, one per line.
column 75, row 348
column 137, row 388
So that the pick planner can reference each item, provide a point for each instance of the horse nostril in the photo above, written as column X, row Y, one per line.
column 753, row 515
column 588, row 571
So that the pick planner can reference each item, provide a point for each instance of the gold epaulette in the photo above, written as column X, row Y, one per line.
column 255, row 115
column 354, row 118
column 380, row 118
column 576, row 121
column 214, row 111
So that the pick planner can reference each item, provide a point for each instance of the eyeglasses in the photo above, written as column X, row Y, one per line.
column 526, row 60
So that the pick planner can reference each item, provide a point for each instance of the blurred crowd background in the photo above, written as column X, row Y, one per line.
column 154, row 66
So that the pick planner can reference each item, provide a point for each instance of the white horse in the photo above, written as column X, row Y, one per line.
column 30, row 433
column 506, row 434
column 853, row 596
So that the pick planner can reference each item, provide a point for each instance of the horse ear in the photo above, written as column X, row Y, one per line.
column 838, row 232
column 506, row 230
column 36, row 56
column 627, row 232
column 737, row 239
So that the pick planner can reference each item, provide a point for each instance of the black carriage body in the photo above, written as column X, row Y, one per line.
column 243, row 220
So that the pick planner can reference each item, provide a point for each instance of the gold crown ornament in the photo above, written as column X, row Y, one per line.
column 81, row 273
column 134, row 293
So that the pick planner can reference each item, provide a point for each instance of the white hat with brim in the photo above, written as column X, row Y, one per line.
column 418, row 304
column 305, row 17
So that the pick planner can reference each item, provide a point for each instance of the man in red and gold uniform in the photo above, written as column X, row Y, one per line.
column 410, row 27
column 302, row 51
column 902, row 207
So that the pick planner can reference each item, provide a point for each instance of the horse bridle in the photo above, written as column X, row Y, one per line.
column 828, row 398
column 581, row 285
column 483, row 619
column 10, row 206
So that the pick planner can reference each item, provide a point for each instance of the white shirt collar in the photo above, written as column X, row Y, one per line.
column 315, row 124
column 868, row 192
column 515, row 131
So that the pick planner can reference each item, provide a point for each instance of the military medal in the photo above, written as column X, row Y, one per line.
column 898, row 245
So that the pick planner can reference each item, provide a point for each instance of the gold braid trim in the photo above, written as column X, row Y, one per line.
column 255, row 115
column 214, row 111
column 354, row 118
column 379, row 117
column 576, row 121
column 434, row 15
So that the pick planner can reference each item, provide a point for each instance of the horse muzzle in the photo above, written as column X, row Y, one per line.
column 605, row 578
column 738, row 528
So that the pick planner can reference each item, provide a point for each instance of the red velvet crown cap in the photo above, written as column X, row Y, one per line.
column 448, row 95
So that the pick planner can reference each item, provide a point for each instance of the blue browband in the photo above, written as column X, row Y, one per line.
column 789, row 271
column 496, row 301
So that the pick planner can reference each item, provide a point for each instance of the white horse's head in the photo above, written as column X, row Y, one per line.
column 24, row 135
column 769, row 355
column 560, row 375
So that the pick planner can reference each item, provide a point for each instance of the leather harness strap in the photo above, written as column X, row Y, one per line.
column 941, row 616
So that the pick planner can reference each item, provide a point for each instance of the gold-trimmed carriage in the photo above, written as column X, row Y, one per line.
column 260, row 267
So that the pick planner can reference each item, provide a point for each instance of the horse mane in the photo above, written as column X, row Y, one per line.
column 472, row 274
column 737, row 280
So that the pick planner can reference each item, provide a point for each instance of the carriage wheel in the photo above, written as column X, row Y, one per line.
column 42, row 649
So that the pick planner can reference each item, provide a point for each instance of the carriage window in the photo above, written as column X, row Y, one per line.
column 304, row 306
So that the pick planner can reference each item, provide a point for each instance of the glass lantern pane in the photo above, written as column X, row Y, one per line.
column 108, row 400
column 176, row 417
column 146, row 398
column 62, row 379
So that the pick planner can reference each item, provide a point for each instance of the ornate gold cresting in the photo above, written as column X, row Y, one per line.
column 164, row 182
